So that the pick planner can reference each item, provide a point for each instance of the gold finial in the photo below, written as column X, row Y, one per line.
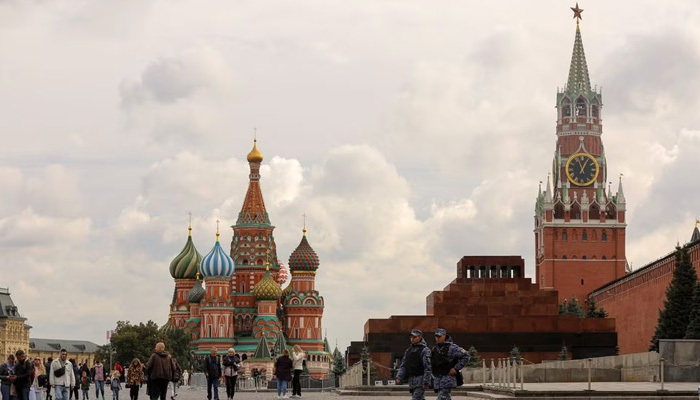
column 577, row 13
column 189, row 227
column 217, row 230
column 304, row 230
column 197, row 275
column 697, row 221
column 267, row 263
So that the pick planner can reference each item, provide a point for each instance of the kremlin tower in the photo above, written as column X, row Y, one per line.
column 579, row 225
column 236, row 300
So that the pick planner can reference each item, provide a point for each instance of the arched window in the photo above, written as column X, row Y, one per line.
column 566, row 108
column 594, row 212
column 605, row 258
column 584, row 236
column 594, row 110
column 584, row 257
column 604, row 236
column 563, row 257
column 559, row 211
column 580, row 107
column 563, row 236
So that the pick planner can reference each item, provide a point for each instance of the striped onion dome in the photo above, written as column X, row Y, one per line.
column 168, row 327
column 196, row 294
column 186, row 264
column 217, row 264
column 303, row 258
column 267, row 288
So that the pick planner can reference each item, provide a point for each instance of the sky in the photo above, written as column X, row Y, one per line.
column 411, row 133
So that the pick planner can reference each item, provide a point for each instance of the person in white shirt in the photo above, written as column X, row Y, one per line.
column 61, row 376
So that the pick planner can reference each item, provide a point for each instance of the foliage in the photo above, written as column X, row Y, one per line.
column 515, row 355
column 571, row 308
column 102, row 354
column 339, row 366
column 693, row 331
column 474, row 359
column 564, row 354
column 675, row 317
column 177, row 343
column 134, row 341
column 594, row 312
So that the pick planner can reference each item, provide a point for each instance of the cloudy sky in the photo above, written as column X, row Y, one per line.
column 412, row 133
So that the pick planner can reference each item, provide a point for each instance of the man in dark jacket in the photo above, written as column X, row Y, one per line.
column 23, row 375
column 160, row 370
column 212, row 370
column 415, row 366
column 446, row 359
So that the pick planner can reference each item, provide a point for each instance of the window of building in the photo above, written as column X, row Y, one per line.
column 563, row 236
column 563, row 257
column 605, row 258
column 584, row 258
column 604, row 236
column 584, row 236
column 581, row 282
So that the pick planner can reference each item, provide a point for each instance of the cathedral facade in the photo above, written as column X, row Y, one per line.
column 233, row 297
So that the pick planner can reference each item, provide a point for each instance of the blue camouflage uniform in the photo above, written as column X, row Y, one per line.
column 444, row 357
column 415, row 367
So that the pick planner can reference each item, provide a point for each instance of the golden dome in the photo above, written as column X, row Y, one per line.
column 255, row 155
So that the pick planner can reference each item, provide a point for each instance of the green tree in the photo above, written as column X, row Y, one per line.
column 177, row 343
column 339, row 366
column 594, row 312
column 474, row 359
column 515, row 355
column 564, row 354
column 693, row 331
column 571, row 308
column 134, row 341
column 675, row 316
column 102, row 354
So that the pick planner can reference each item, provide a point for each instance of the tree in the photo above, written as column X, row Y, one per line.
column 177, row 342
column 474, row 359
column 593, row 312
column 339, row 366
column 134, row 341
column 693, row 331
column 102, row 354
column 675, row 317
column 571, row 308
column 515, row 355
column 564, row 354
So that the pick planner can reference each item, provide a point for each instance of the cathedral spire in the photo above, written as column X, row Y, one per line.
column 579, row 80
column 253, row 211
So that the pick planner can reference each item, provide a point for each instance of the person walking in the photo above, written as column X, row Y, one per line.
column 212, row 370
column 134, row 377
column 22, row 379
column 39, row 381
column 115, row 384
column 74, row 393
column 232, row 363
column 159, row 369
column 7, row 369
column 177, row 374
column 85, row 383
column 61, row 376
column 283, row 372
column 98, row 376
column 415, row 366
column 446, row 360
column 47, row 367
column 298, row 363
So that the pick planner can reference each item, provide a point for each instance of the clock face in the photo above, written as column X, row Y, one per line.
column 582, row 169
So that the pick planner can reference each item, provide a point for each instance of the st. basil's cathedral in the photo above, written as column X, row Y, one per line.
column 236, row 300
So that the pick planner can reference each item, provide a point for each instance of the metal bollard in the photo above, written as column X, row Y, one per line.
column 590, row 363
column 662, row 362
column 483, row 370
column 493, row 373
column 522, row 377
column 507, row 373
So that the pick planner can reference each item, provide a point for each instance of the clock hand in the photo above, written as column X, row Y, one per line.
column 584, row 164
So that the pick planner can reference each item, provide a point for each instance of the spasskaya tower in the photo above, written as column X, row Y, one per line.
column 579, row 225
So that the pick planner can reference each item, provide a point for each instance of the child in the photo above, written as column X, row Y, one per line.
column 85, row 385
column 115, row 384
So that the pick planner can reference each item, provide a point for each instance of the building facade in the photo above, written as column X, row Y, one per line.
column 80, row 350
column 234, row 298
column 579, row 224
column 14, row 330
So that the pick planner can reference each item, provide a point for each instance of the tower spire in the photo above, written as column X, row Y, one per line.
column 579, row 80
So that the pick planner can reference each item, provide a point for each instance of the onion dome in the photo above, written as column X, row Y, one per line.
column 283, row 274
column 168, row 327
column 303, row 258
column 217, row 264
column 186, row 264
column 196, row 294
column 255, row 155
column 267, row 288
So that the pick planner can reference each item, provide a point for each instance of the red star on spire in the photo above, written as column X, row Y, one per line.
column 577, row 12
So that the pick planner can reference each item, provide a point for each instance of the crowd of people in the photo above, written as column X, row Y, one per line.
column 65, row 379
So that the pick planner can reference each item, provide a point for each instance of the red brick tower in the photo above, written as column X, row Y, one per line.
column 252, row 241
column 579, row 226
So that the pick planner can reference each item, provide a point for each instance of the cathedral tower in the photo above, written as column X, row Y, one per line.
column 251, row 243
column 183, row 269
column 579, row 225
